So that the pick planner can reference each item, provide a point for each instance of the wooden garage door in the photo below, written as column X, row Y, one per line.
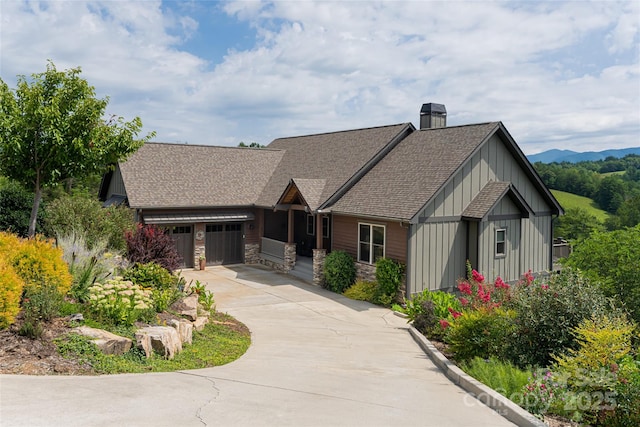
column 224, row 244
column 183, row 236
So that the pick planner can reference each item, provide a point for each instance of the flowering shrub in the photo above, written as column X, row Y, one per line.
column 120, row 301
column 39, row 263
column 547, row 311
column 541, row 392
column 476, row 293
column 10, row 290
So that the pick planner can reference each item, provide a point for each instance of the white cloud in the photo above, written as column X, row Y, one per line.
column 555, row 72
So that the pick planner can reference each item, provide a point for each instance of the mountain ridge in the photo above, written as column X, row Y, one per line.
column 556, row 155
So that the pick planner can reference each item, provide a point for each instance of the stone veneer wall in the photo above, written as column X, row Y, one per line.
column 289, row 256
column 252, row 253
column 198, row 247
column 318, row 266
column 366, row 272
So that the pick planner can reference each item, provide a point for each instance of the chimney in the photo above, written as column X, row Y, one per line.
column 433, row 116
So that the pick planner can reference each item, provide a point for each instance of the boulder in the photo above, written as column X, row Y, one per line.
column 184, row 328
column 187, row 307
column 200, row 323
column 164, row 340
column 107, row 342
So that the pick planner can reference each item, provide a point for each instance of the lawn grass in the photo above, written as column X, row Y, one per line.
column 222, row 341
column 569, row 200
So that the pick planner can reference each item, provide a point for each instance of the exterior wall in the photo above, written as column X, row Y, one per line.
column 428, row 270
column 252, row 253
column 438, row 255
column 116, row 185
column 199, row 243
column 507, row 266
column 345, row 236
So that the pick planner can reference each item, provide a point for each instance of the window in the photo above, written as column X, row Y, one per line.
column 325, row 227
column 501, row 242
column 371, row 242
column 311, row 225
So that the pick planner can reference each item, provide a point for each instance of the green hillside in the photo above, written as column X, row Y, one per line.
column 569, row 200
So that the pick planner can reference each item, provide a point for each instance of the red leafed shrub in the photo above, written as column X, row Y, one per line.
column 148, row 243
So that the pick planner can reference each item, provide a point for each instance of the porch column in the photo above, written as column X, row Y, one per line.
column 290, row 226
column 318, row 231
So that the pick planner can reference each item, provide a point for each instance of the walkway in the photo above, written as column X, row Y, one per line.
column 317, row 359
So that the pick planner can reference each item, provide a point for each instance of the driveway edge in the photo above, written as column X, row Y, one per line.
column 486, row 395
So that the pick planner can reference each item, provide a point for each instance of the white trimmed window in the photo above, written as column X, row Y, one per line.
column 370, row 242
column 501, row 242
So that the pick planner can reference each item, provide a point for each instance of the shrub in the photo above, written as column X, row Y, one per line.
column 476, row 292
column 339, row 271
column 612, row 259
column 480, row 333
column 10, row 291
column 501, row 376
column 40, row 304
column 389, row 275
column 152, row 275
column 627, row 409
column 120, row 301
column 85, row 215
column 547, row 312
column 15, row 209
column 148, row 243
column 591, row 370
column 40, row 264
column 443, row 304
column 362, row 290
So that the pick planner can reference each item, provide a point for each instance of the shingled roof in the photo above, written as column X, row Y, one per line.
column 162, row 175
column 334, row 157
column 487, row 199
column 413, row 172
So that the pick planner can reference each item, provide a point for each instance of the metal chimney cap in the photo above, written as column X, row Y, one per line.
column 432, row 108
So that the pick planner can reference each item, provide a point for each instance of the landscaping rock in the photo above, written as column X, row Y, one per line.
column 187, row 307
column 107, row 342
column 200, row 323
column 164, row 340
column 184, row 328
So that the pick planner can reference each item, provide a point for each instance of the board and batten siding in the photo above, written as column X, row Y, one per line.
column 116, row 185
column 493, row 162
column 345, row 236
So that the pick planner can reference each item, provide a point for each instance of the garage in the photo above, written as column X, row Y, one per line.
column 183, row 236
column 224, row 243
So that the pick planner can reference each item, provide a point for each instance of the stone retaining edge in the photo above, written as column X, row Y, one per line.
column 486, row 395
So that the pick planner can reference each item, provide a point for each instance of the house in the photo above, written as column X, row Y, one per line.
column 432, row 198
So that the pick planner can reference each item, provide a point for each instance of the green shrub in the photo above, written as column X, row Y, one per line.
column 627, row 410
column 120, row 302
column 443, row 304
column 547, row 312
column 390, row 276
column 481, row 333
column 501, row 376
column 39, row 304
column 339, row 271
column 152, row 275
column 10, row 291
column 15, row 209
column 82, row 214
column 362, row 290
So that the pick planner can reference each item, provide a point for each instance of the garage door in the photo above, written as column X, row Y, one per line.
column 224, row 244
column 183, row 236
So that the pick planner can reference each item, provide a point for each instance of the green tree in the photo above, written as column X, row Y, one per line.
column 610, row 194
column 576, row 224
column 252, row 145
column 52, row 128
column 15, row 205
column 612, row 258
column 629, row 212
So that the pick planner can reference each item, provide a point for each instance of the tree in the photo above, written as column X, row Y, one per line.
column 15, row 205
column 612, row 259
column 52, row 128
column 252, row 145
column 610, row 194
column 576, row 224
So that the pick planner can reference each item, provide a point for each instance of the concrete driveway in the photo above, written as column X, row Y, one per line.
column 317, row 359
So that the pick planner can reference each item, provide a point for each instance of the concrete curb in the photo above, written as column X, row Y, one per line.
column 486, row 395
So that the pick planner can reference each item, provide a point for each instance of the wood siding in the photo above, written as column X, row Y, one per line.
column 345, row 236
column 116, row 185
column 429, row 267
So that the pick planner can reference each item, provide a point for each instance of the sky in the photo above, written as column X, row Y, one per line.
column 559, row 74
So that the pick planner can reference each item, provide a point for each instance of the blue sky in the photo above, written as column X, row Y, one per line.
column 558, row 74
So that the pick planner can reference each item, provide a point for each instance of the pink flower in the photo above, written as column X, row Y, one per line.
column 477, row 276
column 500, row 284
column 484, row 295
column 464, row 301
column 444, row 324
column 454, row 313
column 545, row 287
column 465, row 288
column 529, row 276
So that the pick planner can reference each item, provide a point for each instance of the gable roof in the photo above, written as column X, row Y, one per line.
column 490, row 195
column 413, row 172
column 339, row 158
column 309, row 190
column 161, row 175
